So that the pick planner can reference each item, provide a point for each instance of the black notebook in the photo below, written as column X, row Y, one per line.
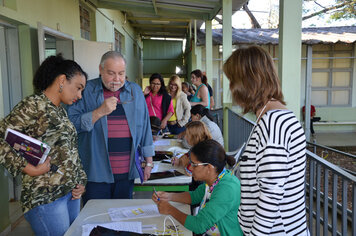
column 164, row 174
column 102, row 231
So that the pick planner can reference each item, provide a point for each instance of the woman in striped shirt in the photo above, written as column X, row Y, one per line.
column 273, row 164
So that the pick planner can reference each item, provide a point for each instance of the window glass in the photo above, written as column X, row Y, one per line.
column 342, row 62
column 320, row 79
column 319, row 98
column 340, row 97
column 341, row 79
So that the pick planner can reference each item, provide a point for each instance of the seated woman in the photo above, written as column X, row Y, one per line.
column 199, row 112
column 219, row 196
column 196, row 132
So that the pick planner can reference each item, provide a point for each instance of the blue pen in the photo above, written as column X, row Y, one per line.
column 156, row 193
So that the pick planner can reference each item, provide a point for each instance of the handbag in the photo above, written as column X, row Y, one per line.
column 155, row 121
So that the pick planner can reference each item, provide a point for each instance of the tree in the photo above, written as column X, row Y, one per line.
column 343, row 9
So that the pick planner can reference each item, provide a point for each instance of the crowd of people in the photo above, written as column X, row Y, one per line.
column 101, row 130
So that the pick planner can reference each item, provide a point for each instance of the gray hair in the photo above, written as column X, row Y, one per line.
column 111, row 54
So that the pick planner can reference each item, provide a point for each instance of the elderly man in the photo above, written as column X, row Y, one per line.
column 113, row 127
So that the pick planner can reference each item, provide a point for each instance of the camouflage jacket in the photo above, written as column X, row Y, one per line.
column 39, row 118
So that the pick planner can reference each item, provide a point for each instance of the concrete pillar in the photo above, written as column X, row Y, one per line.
column 289, row 64
column 227, row 49
column 209, row 51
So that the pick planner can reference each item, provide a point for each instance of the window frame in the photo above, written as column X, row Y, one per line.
column 329, row 54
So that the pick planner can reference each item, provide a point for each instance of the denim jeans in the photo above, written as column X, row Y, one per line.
column 121, row 189
column 54, row 218
column 175, row 129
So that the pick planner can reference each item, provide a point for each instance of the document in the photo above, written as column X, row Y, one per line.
column 162, row 142
column 121, row 226
column 133, row 212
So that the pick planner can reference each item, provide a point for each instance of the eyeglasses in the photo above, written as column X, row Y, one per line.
column 131, row 99
column 156, row 84
column 192, row 164
column 173, row 85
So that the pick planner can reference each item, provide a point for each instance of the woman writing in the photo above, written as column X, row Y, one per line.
column 273, row 164
column 181, row 106
column 199, row 112
column 50, row 200
column 196, row 132
column 218, row 196
column 158, row 101
column 201, row 95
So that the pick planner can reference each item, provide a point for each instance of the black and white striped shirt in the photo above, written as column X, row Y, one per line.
column 272, row 177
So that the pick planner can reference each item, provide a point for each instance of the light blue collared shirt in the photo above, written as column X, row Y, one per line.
column 93, row 138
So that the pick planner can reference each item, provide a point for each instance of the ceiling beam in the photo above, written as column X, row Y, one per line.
column 160, row 26
column 185, row 8
column 157, row 19
column 150, row 10
column 154, row 6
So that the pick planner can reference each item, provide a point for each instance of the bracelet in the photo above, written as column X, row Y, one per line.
column 149, row 164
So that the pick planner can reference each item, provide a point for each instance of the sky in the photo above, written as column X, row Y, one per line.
column 261, row 10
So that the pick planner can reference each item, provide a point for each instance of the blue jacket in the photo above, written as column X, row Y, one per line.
column 93, row 138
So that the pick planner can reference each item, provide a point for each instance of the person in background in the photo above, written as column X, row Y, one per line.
column 312, row 117
column 158, row 101
column 114, row 130
column 211, row 94
column 199, row 112
column 188, row 90
column 50, row 200
column 273, row 166
column 181, row 106
column 219, row 195
column 196, row 132
column 201, row 96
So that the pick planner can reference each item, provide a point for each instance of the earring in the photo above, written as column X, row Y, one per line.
column 60, row 88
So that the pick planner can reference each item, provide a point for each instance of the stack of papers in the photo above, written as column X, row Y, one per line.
column 133, row 212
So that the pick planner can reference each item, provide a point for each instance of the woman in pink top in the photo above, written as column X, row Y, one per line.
column 158, row 101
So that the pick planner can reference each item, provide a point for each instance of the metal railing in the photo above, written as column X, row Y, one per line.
column 330, row 190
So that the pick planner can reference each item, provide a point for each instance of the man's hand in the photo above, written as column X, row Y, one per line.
column 147, row 173
column 108, row 106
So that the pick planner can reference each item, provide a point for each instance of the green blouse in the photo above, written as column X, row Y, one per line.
column 221, row 209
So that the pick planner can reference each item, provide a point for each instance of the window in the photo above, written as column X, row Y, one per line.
column 84, row 23
column 119, row 42
column 332, row 75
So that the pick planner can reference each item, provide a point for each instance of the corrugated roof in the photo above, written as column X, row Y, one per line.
column 322, row 35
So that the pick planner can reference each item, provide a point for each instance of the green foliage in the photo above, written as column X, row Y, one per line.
column 346, row 12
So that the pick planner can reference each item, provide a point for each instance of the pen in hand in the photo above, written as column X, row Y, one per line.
column 154, row 189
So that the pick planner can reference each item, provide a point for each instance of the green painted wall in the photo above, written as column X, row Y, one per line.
column 106, row 21
column 161, row 56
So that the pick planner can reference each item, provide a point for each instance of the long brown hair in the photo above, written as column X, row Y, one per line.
column 197, row 132
column 253, row 78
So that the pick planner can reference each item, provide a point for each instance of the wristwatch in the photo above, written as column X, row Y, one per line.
column 149, row 164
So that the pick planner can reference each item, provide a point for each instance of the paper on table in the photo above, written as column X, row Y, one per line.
column 162, row 142
column 124, row 226
column 133, row 212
